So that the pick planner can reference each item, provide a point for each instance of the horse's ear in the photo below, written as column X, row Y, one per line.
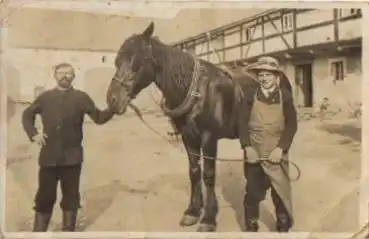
column 147, row 33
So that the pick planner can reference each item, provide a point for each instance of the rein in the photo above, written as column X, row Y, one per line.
column 140, row 116
column 188, row 103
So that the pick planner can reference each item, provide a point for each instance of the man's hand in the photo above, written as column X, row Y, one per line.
column 40, row 139
column 276, row 155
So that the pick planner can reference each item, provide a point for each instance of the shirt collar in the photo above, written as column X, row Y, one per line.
column 63, row 90
column 268, row 92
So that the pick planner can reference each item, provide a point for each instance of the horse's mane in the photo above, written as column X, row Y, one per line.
column 175, row 69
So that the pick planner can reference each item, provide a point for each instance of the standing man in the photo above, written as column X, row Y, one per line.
column 62, row 111
column 267, row 126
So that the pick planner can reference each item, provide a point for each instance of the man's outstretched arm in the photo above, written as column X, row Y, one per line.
column 97, row 115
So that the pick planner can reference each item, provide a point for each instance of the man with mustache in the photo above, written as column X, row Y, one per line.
column 62, row 111
column 267, row 126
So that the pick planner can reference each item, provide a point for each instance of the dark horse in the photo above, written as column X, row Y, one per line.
column 201, row 100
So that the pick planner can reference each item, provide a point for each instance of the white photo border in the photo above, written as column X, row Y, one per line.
column 94, row 6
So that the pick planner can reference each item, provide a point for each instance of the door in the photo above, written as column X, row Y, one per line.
column 304, row 85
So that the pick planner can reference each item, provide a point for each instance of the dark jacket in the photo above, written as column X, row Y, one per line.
column 62, row 114
column 289, row 112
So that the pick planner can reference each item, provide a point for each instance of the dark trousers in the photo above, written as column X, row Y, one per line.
column 48, row 178
column 256, row 187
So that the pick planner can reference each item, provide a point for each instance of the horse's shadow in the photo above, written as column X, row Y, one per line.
column 233, row 190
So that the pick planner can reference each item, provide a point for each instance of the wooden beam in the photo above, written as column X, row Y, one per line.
column 223, row 45
column 263, row 33
column 251, row 38
column 230, row 26
column 308, row 27
column 202, row 37
column 280, row 32
column 335, row 24
column 294, row 28
column 302, row 50
column 241, row 36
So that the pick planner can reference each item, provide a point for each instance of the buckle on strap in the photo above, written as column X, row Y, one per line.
column 196, row 94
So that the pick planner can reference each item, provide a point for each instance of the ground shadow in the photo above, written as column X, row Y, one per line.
column 351, row 134
column 336, row 219
column 232, row 186
column 96, row 202
column 347, row 130
column 10, row 108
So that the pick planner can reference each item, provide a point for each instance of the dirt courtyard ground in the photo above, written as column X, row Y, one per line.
column 135, row 181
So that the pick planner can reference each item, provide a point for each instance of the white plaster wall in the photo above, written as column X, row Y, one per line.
column 92, row 75
column 339, row 94
column 343, row 91
column 36, row 66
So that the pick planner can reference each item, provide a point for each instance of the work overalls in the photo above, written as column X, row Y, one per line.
column 266, row 125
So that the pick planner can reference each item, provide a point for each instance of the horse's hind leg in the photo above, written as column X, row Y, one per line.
column 208, row 222
column 192, row 214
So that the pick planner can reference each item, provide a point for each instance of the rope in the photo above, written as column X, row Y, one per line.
column 176, row 112
column 140, row 116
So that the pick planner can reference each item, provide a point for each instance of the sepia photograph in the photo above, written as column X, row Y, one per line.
column 244, row 120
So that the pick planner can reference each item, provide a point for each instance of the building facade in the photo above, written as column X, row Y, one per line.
column 319, row 49
column 29, row 72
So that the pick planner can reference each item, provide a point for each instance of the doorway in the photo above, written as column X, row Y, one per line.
column 304, row 83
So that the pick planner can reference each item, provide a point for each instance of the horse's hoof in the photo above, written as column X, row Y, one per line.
column 206, row 228
column 188, row 220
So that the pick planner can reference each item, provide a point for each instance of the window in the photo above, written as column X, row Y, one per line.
column 355, row 11
column 348, row 12
column 287, row 21
column 337, row 70
column 248, row 36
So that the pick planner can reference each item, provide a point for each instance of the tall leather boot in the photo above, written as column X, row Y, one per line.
column 69, row 221
column 251, row 214
column 283, row 223
column 252, row 225
column 41, row 222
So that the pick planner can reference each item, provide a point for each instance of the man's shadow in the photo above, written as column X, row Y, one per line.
column 233, row 190
column 96, row 202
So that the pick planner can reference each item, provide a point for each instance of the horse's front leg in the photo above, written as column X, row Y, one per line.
column 192, row 214
column 208, row 222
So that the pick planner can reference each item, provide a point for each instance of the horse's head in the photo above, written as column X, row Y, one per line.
column 135, row 70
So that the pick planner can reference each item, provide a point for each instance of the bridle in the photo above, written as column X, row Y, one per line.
column 129, row 74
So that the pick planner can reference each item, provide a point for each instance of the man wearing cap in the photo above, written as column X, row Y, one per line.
column 62, row 111
column 267, row 126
